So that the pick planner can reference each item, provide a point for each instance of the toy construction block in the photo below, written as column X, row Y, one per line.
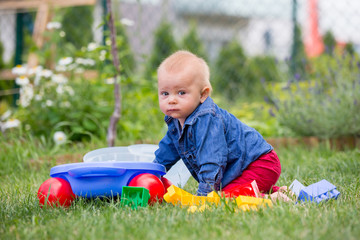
column 134, row 196
column 252, row 203
column 247, row 189
column 202, row 208
column 176, row 195
column 213, row 197
column 319, row 192
column 296, row 187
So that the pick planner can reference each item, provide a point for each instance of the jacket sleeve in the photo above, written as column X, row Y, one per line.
column 212, row 152
column 167, row 154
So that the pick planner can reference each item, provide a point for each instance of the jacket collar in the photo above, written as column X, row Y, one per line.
column 208, row 106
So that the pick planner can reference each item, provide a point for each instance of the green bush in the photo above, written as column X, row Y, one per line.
column 329, row 42
column 126, row 56
column 2, row 63
column 81, row 107
column 164, row 45
column 192, row 42
column 77, row 23
column 82, row 110
column 298, row 59
column 77, row 108
column 142, row 119
column 263, row 69
column 230, row 71
column 238, row 77
column 325, row 103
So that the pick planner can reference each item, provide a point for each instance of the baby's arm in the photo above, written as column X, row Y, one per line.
column 166, row 154
column 211, row 154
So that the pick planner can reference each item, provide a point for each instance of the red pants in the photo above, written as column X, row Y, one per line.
column 265, row 170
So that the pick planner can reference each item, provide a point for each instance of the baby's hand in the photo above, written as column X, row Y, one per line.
column 279, row 196
column 282, row 194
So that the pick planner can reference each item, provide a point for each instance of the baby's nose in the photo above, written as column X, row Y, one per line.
column 172, row 99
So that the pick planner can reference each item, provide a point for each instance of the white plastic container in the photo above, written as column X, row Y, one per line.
column 178, row 174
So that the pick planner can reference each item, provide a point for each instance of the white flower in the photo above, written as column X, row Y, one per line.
column 110, row 80
column 35, row 70
column 127, row 22
column 46, row 73
column 60, row 68
column 26, row 95
column 79, row 60
column 5, row 115
column 85, row 61
column 79, row 70
column 22, row 81
column 108, row 42
column 60, row 89
column 49, row 103
column 72, row 66
column 59, row 79
column 90, row 62
column 38, row 97
column 69, row 90
column 62, row 34
column 11, row 123
column 65, row 104
column 92, row 46
column 65, row 61
column 102, row 56
column 20, row 70
column 59, row 137
column 53, row 25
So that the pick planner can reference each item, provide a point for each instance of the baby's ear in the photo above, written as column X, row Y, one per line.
column 204, row 94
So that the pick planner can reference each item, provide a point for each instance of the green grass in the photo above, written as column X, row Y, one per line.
column 26, row 163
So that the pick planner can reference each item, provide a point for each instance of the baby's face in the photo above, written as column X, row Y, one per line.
column 179, row 93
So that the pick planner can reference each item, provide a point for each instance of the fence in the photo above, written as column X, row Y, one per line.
column 273, row 28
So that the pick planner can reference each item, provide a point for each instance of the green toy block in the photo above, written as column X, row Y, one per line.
column 134, row 196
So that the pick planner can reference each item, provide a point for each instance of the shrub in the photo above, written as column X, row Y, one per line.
column 164, row 45
column 192, row 42
column 77, row 23
column 325, row 102
column 82, row 109
column 2, row 64
column 231, row 71
column 298, row 59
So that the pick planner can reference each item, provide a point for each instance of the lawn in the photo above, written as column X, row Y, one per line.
column 25, row 164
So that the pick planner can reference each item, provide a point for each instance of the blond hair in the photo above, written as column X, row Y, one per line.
column 182, row 59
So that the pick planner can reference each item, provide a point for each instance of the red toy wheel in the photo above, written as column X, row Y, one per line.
column 57, row 191
column 150, row 182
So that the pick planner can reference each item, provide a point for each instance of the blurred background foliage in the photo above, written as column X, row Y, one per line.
column 298, row 96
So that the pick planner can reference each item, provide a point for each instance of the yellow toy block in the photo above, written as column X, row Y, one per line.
column 244, row 207
column 213, row 194
column 213, row 197
column 199, row 200
column 174, row 194
column 193, row 209
column 252, row 202
column 187, row 200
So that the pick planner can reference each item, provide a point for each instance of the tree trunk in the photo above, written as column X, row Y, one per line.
column 111, row 133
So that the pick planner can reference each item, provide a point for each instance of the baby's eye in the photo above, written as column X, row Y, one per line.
column 181, row 92
column 164, row 93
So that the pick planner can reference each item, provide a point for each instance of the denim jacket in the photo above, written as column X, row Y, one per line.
column 215, row 146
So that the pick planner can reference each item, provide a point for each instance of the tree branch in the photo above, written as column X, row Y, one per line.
column 111, row 134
